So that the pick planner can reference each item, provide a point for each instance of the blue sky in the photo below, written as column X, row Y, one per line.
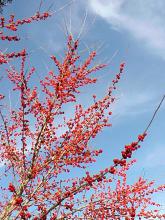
column 131, row 31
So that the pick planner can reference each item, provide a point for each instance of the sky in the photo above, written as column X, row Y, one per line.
column 120, row 30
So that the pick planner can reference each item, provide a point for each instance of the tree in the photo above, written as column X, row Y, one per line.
column 36, row 161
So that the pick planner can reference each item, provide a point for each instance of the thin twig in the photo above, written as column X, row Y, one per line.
column 41, row 2
column 83, row 24
column 64, row 6
column 155, row 112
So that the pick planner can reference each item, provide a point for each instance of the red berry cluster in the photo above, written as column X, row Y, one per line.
column 116, row 80
column 4, row 58
column 18, row 201
column 12, row 25
column 11, row 187
column 119, row 162
column 127, row 153
column 69, row 206
column 24, row 213
column 9, row 38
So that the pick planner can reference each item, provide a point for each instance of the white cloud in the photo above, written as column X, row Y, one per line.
column 133, row 104
column 142, row 19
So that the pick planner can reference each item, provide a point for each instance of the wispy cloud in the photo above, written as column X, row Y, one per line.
column 142, row 19
column 133, row 104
